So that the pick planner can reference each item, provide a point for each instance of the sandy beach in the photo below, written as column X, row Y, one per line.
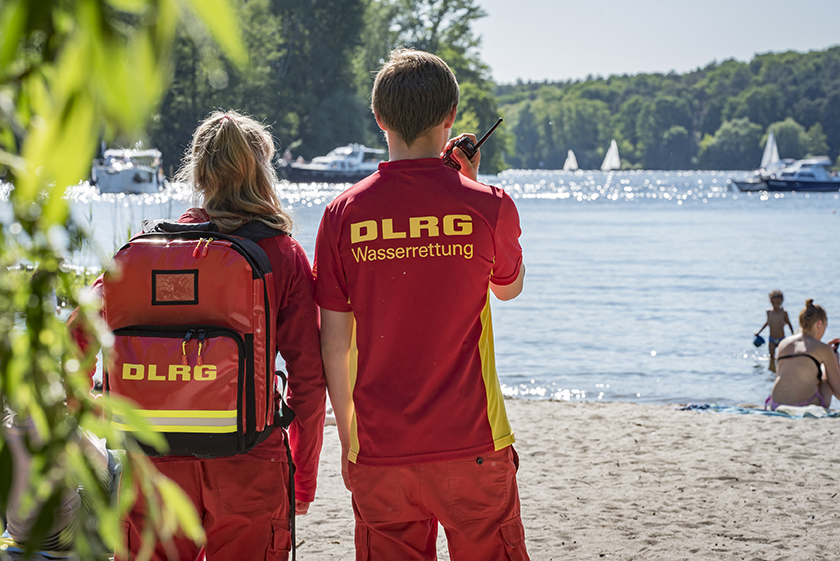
column 644, row 482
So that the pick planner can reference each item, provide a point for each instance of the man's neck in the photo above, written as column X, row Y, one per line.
column 429, row 145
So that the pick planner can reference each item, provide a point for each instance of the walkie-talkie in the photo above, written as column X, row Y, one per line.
column 468, row 147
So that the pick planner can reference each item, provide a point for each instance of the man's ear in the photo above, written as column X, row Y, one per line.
column 450, row 119
column 379, row 121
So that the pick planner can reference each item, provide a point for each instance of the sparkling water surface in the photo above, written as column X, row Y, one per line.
column 641, row 286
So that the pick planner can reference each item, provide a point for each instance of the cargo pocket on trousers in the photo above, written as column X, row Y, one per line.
column 281, row 541
column 513, row 535
column 248, row 484
column 480, row 488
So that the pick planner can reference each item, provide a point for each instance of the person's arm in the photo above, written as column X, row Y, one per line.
column 336, row 337
column 512, row 290
column 298, row 342
column 832, row 367
column 787, row 321
column 507, row 275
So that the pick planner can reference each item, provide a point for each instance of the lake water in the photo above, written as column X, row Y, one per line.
column 640, row 286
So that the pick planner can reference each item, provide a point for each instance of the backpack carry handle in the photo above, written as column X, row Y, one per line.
column 164, row 225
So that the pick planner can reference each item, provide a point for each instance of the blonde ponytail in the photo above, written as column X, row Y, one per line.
column 230, row 165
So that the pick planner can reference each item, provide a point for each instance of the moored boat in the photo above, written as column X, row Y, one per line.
column 809, row 175
column 128, row 171
column 345, row 164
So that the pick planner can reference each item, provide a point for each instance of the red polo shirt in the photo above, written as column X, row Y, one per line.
column 410, row 251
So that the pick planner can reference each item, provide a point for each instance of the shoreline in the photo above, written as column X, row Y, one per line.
column 619, row 480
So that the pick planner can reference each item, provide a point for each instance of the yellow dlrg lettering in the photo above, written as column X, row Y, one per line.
column 181, row 370
column 205, row 372
column 419, row 223
column 174, row 372
column 363, row 231
column 457, row 225
column 133, row 371
column 388, row 232
column 418, row 226
column 153, row 374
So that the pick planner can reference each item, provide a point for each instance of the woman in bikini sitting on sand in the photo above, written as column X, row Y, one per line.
column 808, row 369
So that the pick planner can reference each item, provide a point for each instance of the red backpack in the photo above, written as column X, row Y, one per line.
column 193, row 315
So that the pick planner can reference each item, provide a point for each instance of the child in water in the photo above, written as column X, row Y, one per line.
column 776, row 319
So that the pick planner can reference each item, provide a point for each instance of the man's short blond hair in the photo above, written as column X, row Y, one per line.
column 413, row 92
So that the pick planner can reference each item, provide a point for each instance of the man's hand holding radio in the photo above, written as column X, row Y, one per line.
column 460, row 149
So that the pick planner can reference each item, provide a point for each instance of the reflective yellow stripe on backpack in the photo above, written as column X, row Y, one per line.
column 183, row 421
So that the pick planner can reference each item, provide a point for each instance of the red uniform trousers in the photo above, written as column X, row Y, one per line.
column 476, row 500
column 243, row 502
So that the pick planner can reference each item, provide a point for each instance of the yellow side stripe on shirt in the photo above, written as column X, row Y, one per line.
column 496, row 413
column 354, row 369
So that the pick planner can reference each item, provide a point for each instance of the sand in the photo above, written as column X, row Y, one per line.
column 644, row 482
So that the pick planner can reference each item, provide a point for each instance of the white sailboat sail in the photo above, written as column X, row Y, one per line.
column 571, row 162
column 611, row 160
column 771, row 152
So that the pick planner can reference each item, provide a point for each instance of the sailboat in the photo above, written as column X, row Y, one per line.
column 571, row 162
column 770, row 165
column 611, row 160
column 771, row 153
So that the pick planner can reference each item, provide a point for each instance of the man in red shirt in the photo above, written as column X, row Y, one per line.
column 405, row 262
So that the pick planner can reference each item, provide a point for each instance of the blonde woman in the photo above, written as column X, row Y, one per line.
column 808, row 369
column 243, row 500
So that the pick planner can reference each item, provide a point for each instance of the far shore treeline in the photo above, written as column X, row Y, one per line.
column 717, row 117
column 312, row 64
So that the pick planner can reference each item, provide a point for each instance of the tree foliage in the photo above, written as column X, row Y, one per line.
column 312, row 69
column 671, row 121
column 299, row 81
column 734, row 142
column 70, row 72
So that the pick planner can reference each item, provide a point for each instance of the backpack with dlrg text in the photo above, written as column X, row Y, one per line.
column 200, row 311
column 193, row 314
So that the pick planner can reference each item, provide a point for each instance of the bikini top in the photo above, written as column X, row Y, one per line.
column 818, row 363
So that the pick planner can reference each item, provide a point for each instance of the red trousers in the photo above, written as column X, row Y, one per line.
column 243, row 502
column 476, row 500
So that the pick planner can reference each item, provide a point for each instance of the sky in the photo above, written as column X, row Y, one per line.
column 557, row 40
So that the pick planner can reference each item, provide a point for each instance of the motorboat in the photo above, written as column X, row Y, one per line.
column 345, row 164
column 128, row 171
column 809, row 175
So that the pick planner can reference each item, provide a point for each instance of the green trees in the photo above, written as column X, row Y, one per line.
column 791, row 137
column 300, row 79
column 444, row 28
column 761, row 105
column 684, row 121
column 662, row 128
column 312, row 69
column 70, row 71
column 735, row 142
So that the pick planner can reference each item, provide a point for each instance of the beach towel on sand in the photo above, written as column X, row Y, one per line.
column 790, row 411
